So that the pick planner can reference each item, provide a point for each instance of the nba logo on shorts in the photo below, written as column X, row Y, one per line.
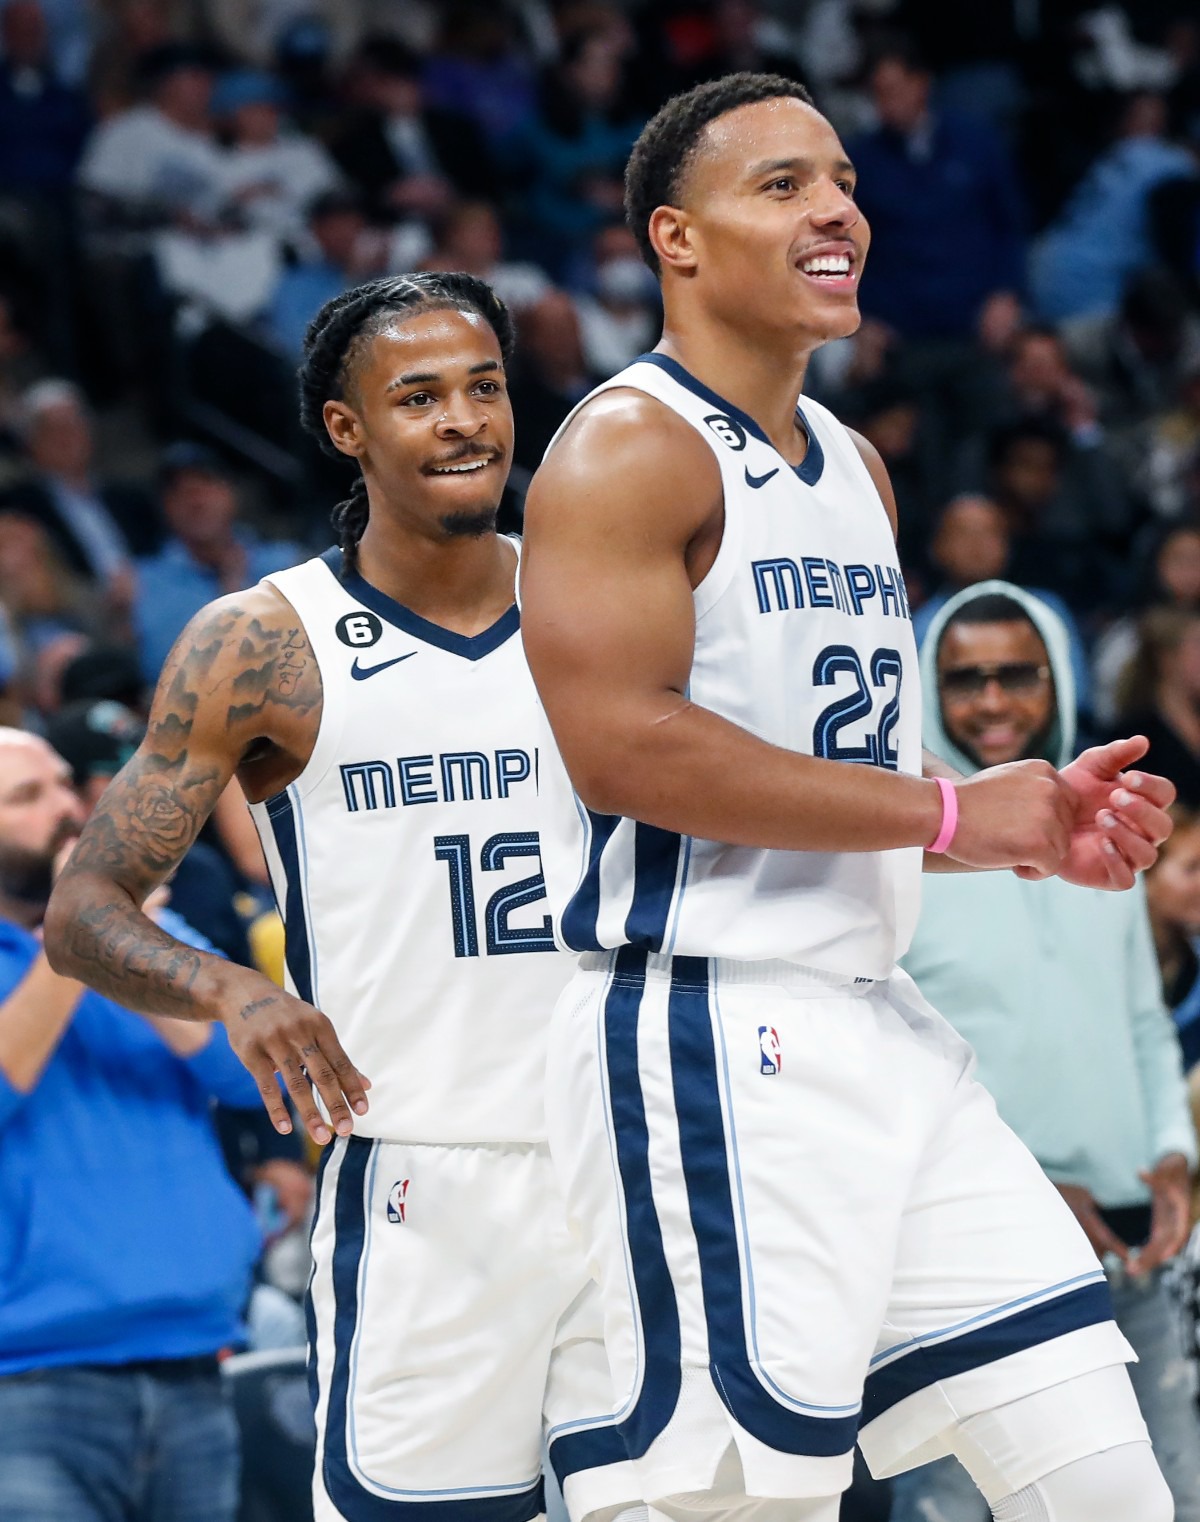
column 395, row 1204
column 768, row 1046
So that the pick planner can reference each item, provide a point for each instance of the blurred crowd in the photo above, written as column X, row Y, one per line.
column 183, row 183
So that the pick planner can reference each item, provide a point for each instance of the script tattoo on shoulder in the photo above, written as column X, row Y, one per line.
column 153, row 811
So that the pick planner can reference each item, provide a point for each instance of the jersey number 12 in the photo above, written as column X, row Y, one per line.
column 501, row 937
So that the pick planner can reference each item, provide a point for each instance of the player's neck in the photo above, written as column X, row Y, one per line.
column 763, row 382
column 463, row 584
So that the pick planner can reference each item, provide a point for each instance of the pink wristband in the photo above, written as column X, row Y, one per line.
column 949, row 816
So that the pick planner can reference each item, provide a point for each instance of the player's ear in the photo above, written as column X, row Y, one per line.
column 671, row 238
column 343, row 427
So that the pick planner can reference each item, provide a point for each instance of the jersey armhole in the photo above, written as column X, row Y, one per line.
column 333, row 711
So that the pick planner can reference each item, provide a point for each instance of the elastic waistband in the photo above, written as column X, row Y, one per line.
column 633, row 962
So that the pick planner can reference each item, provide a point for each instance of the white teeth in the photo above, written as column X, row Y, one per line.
column 457, row 470
column 827, row 264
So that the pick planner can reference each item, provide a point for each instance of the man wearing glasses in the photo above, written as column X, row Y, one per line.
column 1057, row 989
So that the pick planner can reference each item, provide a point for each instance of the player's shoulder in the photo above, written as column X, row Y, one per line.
column 633, row 452
column 242, row 655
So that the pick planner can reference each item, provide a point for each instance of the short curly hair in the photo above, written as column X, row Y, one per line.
column 664, row 151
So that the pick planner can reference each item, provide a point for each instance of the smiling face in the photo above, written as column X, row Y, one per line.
column 767, row 235
column 428, row 418
column 996, row 690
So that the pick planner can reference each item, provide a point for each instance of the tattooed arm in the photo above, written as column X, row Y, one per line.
column 240, row 693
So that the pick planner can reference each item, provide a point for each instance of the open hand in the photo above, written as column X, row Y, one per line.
column 1170, row 1190
column 1120, row 816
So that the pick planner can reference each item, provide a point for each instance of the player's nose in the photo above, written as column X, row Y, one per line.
column 831, row 206
column 461, row 416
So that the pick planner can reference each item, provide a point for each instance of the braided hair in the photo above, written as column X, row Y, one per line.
column 343, row 329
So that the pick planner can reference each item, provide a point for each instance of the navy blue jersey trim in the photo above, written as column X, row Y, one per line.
column 352, row 1500
column 580, row 918
column 297, row 952
column 655, row 870
column 662, row 1376
column 924, row 1366
column 592, row 1448
column 471, row 647
column 810, row 467
column 710, row 1202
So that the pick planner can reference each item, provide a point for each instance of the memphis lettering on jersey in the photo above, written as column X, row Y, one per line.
column 466, row 776
column 814, row 582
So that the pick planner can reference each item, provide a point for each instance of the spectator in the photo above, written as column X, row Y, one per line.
column 114, row 1309
column 1137, row 358
column 549, row 376
column 919, row 161
column 158, row 163
column 478, row 68
column 571, row 152
column 1159, row 696
column 43, row 122
column 1171, row 580
column 342, row 255
column 1164, row 457
column 1081, row 263
column 470, row 238
column 972, row 544
column 620, row 313
column 1049, row 499
column 40, row 596
column 97, row 526
column 734, row 35
column 271, row 172
column 1056, row 988
column 408, row 158
column 1173, row 896
column 208, row 553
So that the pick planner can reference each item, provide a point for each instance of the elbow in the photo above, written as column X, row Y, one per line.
column 56, row 930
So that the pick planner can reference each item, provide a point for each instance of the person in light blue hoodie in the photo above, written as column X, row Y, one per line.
column 1057, row 989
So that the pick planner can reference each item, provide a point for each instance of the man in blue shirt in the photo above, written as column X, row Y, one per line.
column 126, row 1250
column 207, row 554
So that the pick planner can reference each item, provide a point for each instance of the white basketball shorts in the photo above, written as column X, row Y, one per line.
column 808, row 1222
column 453, row 1327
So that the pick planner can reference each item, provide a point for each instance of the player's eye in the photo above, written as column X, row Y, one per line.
column 784, row 182
column 846, row 187
column 417, row 399
column 488, row 388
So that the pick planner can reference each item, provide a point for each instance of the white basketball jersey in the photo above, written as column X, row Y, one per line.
column 405, row 861
column 803, row 637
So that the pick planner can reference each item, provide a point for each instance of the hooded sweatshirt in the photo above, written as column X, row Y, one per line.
column 1056, row 987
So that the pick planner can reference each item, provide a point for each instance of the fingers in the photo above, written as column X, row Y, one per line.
column 1156, row 790
column 295, row 1079
column 262, row 1070
column 1108, row 760
column 1133, row 848
column 1103, row 1239
column 337, row 1080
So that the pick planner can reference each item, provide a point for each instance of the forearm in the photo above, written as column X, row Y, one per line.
column 95, row 932
column 32, row 1021
column 685, row 769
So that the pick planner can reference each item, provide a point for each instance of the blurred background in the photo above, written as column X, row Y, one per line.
column 184, row 182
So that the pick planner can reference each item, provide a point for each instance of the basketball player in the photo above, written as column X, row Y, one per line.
column 376, row 707
column 807, row 1219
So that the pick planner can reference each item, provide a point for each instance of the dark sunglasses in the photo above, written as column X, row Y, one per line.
column 1017, row 679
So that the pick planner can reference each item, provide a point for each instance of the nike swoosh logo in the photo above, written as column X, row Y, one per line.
column 361, row 673
column 757, row 481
